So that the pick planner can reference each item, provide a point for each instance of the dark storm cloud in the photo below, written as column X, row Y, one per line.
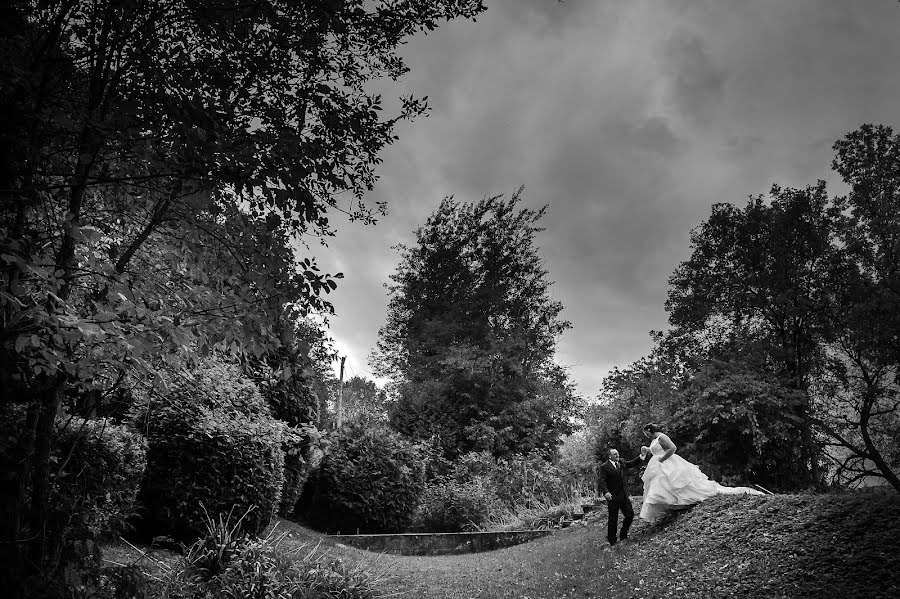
column 630, row 119
column 654, row 135
column 697, row 84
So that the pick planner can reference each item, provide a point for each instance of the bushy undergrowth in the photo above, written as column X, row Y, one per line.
column 537, row 517
column 478, row 491
column 96, row 469
column 451, row 505
column 298, row 443
column 227, row 563
column 578, row 458
column 99, row 467
column 369, row 480
column 212, row 446
column 519, row 482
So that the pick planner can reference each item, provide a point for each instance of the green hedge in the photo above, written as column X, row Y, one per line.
column 370, row 480
column 213, row 449
column 298, row 444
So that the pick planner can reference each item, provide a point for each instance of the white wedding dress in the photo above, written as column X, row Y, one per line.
column 677, row 483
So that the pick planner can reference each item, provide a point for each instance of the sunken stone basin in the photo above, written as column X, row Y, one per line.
column 438, row 543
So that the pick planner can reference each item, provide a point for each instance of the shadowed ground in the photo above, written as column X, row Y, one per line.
column 839, row 545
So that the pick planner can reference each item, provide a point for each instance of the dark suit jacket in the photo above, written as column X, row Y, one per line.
column 612, row 480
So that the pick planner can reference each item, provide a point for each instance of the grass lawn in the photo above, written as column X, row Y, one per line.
column 836, row 546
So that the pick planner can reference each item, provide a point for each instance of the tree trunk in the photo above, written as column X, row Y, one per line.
column 809, row 453
column 50, row 397
column 48, row 388
column 13, row 504
column 871, row 449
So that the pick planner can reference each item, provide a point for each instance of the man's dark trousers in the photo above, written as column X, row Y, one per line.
column 611, row 479
column 619, row 502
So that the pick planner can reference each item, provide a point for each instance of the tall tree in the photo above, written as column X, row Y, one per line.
column 741, row 420
column 471, row 333
column 792, row 305
column 648, row 390
column 757, row 277
column 162, row 160
column 860, row 407
column 363, row 402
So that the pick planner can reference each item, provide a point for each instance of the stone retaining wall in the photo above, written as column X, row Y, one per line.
column 439, row 543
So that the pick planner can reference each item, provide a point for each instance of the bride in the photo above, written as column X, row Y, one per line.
column 671, row 482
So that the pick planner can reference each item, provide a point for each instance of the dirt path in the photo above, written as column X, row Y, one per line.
column 575, row 562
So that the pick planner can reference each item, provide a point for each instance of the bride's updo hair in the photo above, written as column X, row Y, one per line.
column 652, row 428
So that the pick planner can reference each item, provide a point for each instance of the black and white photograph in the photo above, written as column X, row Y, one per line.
column 449, row 299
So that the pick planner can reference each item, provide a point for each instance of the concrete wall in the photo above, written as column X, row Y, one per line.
column 443, row 543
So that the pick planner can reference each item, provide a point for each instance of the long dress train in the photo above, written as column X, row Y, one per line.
column 677, row 483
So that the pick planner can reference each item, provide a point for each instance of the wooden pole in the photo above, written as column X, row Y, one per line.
column 340, row 401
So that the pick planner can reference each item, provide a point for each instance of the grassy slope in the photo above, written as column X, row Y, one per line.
column 839, row 545
column 835, row 546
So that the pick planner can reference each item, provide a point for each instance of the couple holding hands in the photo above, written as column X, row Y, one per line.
column 670, row 483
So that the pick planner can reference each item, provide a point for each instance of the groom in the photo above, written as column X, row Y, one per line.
column 611, row 482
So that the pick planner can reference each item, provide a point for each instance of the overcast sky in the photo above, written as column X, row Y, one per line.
column 630, row 118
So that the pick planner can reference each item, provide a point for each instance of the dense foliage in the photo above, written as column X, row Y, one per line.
column 577, row 459
column 298, row 445
column 750, row 293
column 649, row 390
column 478, row 490
column 226, row 563
column 100, row 467
column 782, row 357
column 93, row 491
column 296, row 379
column 363, row 402
column 452, row 505
column 521, row 481
column 858, row 397
column 161, row 163
column 369, row 480
column 212, row 448
column 471, row 333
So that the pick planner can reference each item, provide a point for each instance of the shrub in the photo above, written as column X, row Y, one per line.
column 298, row 444
column 537, row 517
column 577, row 460
column 96, row 468
column 100, row 466
column 222, row 388
column 292, row 400
column 449, row 505
column 370, row 479
column 469, row 465
column 226, row 563
column 517, row 481
column 432, row 455
column 212, row 446
column 529, row 480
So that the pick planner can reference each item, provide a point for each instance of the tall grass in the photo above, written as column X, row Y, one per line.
column 541, row 513
column 227, row 563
